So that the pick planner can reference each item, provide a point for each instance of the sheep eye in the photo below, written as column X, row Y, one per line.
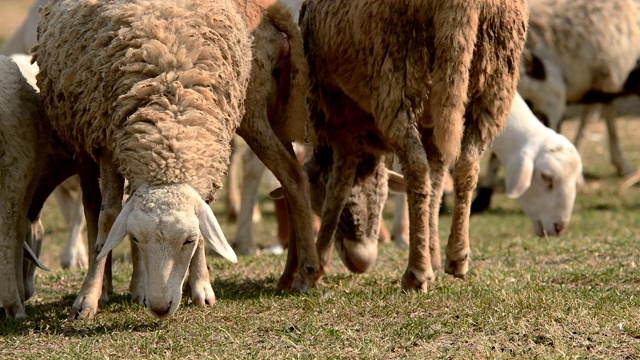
column 133, row 238
column 549, row 180
column 189, row 240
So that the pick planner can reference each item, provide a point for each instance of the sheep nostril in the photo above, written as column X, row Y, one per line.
column 559, row 227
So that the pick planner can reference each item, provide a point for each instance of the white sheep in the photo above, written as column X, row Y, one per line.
column 154, row 99
column 543, row 170
column 27, row 169
column 433, row 93
column 68, row 195
column 582, row 52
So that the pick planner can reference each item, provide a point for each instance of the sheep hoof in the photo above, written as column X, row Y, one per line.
column 83, row 307
column 457, row 268
column 15, row 312
column 436, row 262
column 202, row 294
column 285, row 282
column 412, row 281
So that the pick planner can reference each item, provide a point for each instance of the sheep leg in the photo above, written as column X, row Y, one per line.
column 75, row 251
column 253, row 169
column 199, row 281
column 622, row 166
column 486, row 186
column 338, row 188
column 400, row 227
column 437, row 170
column 136, row 285
column 301, row 269
column 232, row 198
column 12, row 292
column 413, row 160
column 591, row 112
column 465, row 178
column 86, row 304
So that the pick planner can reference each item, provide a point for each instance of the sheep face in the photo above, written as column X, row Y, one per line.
column 542, row 86
column 356, row 236
column 166, row 222
column 549, row 200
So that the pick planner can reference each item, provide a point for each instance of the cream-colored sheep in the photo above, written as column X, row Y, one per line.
column 151, row 92
column 28, row 166
column 582, row 52
column 401, row 76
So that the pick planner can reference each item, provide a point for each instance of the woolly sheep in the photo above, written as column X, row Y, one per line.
column 582, row 52
column 68, row 195
column 371, row 68
column 151, row 92
column 27, row 168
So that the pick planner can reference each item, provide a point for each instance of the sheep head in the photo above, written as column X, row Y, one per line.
column 166, row 222
column 550, row 178
column 356, row 236
column 542, row 86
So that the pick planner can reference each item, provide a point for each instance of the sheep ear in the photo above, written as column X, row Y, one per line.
column 118, row 230
column 396, row 182
column 277, row 194
column 28, row 254
column 212, row 232
column 518, row 179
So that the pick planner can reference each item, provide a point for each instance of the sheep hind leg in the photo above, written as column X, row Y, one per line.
column 253, row 169
column 623, row 168
column 413, row 160
column 465, row 178
column 437, row 170
column 101, row 210
column 301, row 269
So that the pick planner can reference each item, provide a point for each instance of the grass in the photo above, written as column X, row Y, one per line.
column 525, row 297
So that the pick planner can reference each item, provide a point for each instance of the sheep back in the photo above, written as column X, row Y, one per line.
column 161, row 85
column 597, row 43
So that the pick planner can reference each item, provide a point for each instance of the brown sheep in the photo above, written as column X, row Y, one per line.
column 275, row 117
column 400, row 76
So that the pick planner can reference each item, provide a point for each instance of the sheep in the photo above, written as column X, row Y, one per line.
column 67, row 195
column 70, row 203
column 276, row 117
column 28, row 166
column 151, row 92
column 582, row 52
column 395, row 76
column 543, row 171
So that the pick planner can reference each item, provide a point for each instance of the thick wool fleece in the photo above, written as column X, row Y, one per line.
column 431, row 56
column 160, row 84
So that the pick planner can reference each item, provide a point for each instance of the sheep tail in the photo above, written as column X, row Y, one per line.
column 456, row 34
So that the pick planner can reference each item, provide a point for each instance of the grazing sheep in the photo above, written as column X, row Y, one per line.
column 151, row 92
column 401, row 76
column 27, row 166
column 582, row 52
column 68, row 194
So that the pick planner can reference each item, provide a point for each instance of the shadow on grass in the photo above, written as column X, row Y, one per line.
column 53, row 318
column 237, row 288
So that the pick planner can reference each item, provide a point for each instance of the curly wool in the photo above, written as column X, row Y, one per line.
column 159, row 84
